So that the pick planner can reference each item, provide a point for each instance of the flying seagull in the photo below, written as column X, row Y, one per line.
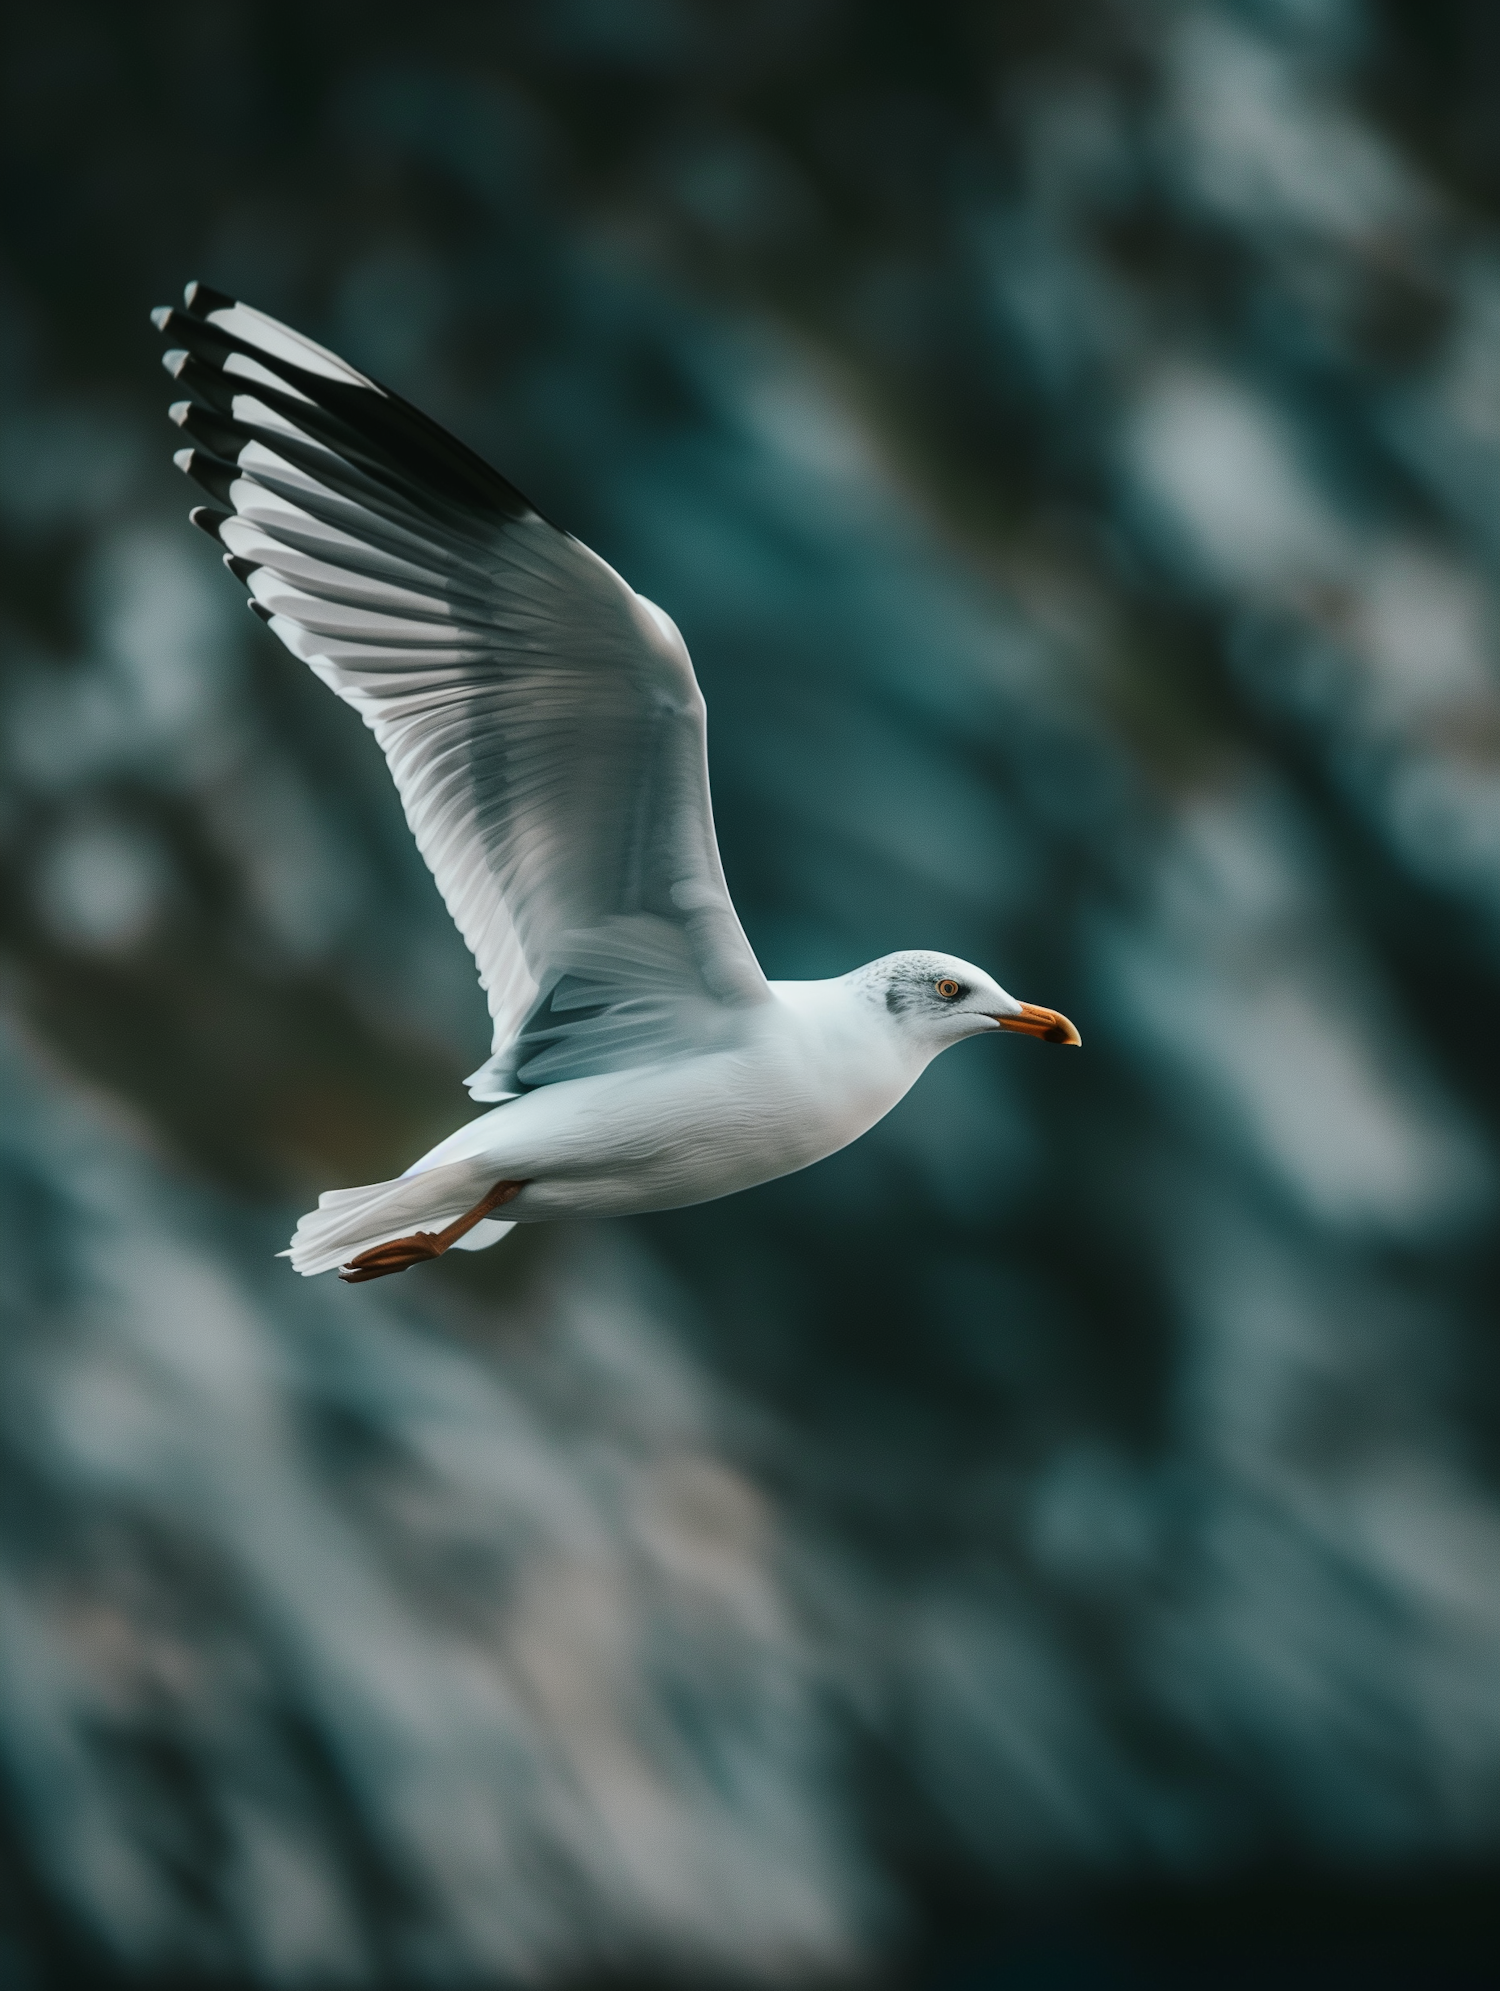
column 547, row 737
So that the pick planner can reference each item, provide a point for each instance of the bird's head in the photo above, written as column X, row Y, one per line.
column 937, row 999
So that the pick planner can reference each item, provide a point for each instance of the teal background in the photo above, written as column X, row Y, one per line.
column 1056, row 1541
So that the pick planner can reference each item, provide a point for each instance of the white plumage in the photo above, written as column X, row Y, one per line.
column 547, row 738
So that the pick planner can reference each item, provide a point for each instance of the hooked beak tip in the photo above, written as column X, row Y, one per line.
column 1048, row 1024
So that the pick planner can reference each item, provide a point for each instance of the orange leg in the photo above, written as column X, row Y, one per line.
column 402, row 1252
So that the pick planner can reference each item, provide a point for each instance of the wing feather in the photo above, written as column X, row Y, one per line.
column 541, row 720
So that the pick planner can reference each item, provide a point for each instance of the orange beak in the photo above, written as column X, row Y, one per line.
column 1048, row 1024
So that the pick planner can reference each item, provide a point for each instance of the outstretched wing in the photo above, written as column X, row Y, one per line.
column 542, row 721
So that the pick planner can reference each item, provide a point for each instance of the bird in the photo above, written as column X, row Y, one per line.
column 547, row 738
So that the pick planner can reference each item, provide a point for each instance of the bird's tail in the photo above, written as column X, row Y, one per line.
column 349, row 1221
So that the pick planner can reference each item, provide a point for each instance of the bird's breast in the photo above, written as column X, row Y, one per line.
column 662, row 1136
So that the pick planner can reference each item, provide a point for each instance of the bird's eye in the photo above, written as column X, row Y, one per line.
column 947, row 988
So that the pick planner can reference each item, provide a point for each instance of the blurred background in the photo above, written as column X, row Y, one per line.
column 1055, row 1542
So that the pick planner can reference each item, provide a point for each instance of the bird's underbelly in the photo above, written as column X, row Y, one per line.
column 661, row 1182
column 659, row 1138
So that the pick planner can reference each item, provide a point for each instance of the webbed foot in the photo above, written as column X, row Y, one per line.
column 401, row 1253
column 397, row 1256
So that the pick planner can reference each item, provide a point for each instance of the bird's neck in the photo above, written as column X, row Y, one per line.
column 845, row 1022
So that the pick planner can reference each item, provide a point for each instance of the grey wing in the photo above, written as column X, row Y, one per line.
column 541, row 720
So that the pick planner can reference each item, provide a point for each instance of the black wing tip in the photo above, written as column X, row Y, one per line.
column 414, row 447
column 222, row 439
column 241, row 568
column 201, row 298
column 214, row 476
column 258, row 608
column 208, row 520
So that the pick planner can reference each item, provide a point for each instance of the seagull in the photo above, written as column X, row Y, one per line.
column 548, row 741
